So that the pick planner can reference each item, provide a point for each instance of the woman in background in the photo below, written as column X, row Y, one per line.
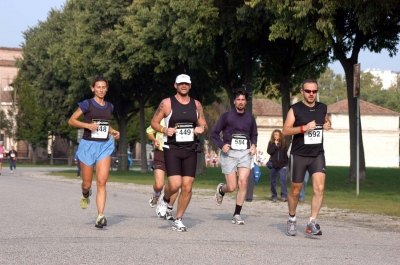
column 278, row 150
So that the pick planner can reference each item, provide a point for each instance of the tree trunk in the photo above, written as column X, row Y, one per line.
column 352, row 105
column 249, row 79
column 122, row 147
column 284, row 86
column 71, row 152
column 33, row 152
column 52, row 150
column 143, row 151
column 201, row 168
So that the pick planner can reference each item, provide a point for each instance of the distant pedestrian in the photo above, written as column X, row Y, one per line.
column 13, row 158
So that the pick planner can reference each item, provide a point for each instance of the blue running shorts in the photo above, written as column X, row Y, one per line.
column 90, row 152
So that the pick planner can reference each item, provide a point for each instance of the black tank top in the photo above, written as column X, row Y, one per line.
column 101, row 116
column 184, row 117
column 303, row 115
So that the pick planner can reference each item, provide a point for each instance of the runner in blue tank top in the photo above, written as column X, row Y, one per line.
column 96, row 145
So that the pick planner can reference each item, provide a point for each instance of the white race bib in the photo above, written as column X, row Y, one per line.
column 12, row 155
column 184, row 132
column 314, row 136
column 102, row 130
column 239, row 142
column 1, row 155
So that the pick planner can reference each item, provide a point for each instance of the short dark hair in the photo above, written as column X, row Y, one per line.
column 240, row 91
column 308, row 81
column 98, row 78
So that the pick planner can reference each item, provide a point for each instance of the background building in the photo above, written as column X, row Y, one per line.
column 8, row 72
column 388, row 78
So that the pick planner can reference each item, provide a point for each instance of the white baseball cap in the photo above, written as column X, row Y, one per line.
column 183, row 79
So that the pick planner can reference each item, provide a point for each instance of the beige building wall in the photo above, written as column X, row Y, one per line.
column 380, row 139
column 8, row 72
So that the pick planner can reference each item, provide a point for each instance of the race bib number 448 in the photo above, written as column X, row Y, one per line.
column 314, row 136
column 102, row 130
column 184, row 132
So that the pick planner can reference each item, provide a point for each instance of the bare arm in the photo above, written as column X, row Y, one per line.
column 162, row 111
column 327, row 124
column 73, row 121
column 201, row 121
column 288, row 128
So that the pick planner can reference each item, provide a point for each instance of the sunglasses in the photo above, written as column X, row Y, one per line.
column 310, row 91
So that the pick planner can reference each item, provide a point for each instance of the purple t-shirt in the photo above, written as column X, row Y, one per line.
column 231, row 123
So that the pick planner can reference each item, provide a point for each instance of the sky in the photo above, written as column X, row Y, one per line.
column 18, row 15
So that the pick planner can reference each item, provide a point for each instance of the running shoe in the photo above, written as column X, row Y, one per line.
column 101, row 221
column 218, row 196
column 313, row 228
column 291, row 228
column 161, row 209
column 168, row 215
column 177, row 225
column 86, row 201
column 153, row 201
column 237, row 220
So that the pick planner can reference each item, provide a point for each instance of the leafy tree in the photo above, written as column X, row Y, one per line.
column 40, row 66
column 332, row 87
column 346, row 27
column 32, row 116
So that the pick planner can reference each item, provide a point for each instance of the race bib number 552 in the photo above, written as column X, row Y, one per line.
column 314, row 136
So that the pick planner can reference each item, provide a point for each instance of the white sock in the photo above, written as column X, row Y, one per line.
column 157, row 194
column 311, row 218
column 292, row 218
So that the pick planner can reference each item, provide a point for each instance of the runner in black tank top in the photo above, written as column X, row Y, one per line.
column 184, row 117
column 306, row 121
column 184, row 120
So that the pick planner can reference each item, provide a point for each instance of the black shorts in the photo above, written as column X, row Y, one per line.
column 159, row 162
column 300, row 164
column 180, row 162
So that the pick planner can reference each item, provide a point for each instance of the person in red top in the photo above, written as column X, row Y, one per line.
column 2, row 154
column 13, row 158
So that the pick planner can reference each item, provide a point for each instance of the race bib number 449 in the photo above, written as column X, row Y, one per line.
column 184, row 132
column 314, row 136
column 102, row 130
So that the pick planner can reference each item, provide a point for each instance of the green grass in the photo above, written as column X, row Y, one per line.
column 379, row 194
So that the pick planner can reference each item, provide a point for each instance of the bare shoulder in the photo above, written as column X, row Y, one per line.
column 198, row 104
column 164, row 108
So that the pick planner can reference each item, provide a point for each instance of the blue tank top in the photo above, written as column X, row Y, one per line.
column 101, row 116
